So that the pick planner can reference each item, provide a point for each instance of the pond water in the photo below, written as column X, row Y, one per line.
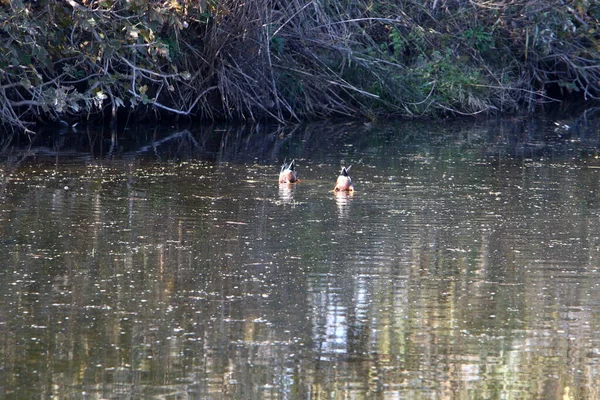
column 465, row 265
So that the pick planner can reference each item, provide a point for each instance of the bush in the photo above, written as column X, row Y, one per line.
column 69, row 60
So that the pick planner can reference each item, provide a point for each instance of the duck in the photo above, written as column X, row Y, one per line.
column 288, row 173
column 344, row 182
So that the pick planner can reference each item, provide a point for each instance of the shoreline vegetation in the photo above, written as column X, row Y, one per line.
column 104, row 61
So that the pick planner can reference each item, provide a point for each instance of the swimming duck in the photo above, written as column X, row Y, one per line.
column 344, row 183
column 288, row 173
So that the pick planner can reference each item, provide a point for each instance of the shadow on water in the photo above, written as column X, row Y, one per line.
column 171, row 264
column 517, row 137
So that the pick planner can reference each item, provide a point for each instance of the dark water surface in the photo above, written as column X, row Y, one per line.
column 465, row 265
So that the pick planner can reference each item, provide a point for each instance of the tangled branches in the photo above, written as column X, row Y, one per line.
column 65, row 61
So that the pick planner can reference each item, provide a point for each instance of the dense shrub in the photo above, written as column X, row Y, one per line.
column 66, row 60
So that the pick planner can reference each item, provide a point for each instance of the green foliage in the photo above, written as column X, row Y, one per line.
column 398, row 43
column 480, row 38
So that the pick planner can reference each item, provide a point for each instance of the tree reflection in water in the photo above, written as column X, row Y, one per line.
column 465, row 266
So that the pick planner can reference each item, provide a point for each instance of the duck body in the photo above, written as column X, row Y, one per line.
column 344, row 182
column 288, row 173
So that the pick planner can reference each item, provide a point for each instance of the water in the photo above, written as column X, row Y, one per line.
column 464, row 265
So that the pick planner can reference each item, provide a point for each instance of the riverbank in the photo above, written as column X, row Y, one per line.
column 109, row 61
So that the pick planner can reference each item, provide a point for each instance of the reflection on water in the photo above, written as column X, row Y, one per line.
column 286, row 192
column 465, row 266
column 343, row 201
